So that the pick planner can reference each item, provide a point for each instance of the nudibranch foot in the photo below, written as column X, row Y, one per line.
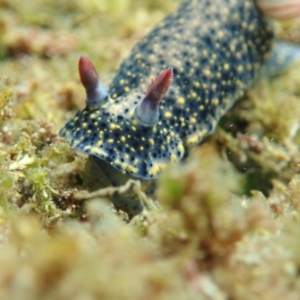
column 130, row 201
column 283, row 55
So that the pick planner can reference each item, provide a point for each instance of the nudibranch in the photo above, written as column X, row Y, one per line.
column 176, row 84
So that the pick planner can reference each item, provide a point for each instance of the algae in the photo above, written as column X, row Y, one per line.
column 226, row 221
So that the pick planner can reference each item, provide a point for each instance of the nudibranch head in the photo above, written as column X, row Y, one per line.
column 127, row 132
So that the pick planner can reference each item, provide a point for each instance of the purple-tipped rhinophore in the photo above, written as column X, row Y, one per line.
column 147, row 110
column 95, row 93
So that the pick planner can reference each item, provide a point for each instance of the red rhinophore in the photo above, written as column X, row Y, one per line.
column 160, row 85
column 88, row 74
column 147, row 110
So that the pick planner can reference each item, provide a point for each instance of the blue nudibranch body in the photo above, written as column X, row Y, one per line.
column 173, row 88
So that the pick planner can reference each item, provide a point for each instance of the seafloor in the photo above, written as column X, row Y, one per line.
column 228, row 222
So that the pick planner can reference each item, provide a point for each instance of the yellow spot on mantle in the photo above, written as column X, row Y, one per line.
column 193, row 120
column 155, row 170
column 98, row 151
column 197, row 84
column 192, row 140
column 207, row 72
column 220, row 34
column 181, row 100
column 240, row 68
column 131, row 169
column 215, row 101
column 168, row 115
column 193, row 94
column 180, row 148
column 151, row 141
column 114, row 126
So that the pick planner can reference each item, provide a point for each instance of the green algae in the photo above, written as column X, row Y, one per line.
column 226, row 225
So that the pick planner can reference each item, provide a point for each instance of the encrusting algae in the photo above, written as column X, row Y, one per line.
column 214, row 232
